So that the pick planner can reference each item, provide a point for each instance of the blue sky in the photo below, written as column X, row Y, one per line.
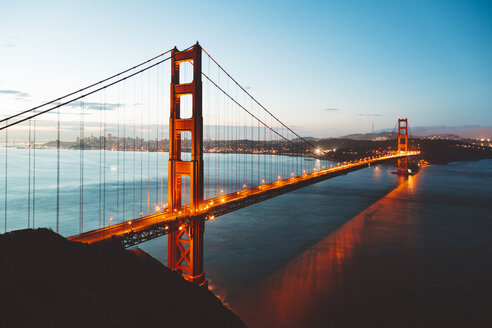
column 327, row 68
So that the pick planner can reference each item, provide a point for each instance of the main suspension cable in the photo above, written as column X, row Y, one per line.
column 83, row 95
column 84, row 88
column 255, row 100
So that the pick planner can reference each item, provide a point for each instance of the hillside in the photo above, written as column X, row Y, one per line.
column 48, row 281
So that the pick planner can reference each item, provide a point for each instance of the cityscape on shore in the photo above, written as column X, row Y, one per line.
column 439, row 148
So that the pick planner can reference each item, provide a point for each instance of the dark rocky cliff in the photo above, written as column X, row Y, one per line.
column 48, row 281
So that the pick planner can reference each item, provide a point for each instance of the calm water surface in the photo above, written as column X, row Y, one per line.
column 365, row 249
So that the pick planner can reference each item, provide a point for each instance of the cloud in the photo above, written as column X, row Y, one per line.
column 9, row 45
column 94, row 105
column 332, row 109
column 9, row 92
column 248, row 87
column 18, row 94
column 371, row 115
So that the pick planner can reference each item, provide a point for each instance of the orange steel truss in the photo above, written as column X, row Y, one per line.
column 403, row 145
column 185, row 246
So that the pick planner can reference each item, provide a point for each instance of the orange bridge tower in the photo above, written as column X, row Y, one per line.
column 402, row 145
column 185, row 246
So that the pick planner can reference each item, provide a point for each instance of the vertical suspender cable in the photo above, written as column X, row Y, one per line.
column 104, row 167
column 141, row 144
column 81, row 167
column 34, row 176
column 207, row 163
column 6, row 174
column 156, row 151
column 134, row 148
column 162, row 137
column 118, row 150
column 124, row 153
column 100, row 162
column 58, row 171
column 148, row 143
column 29, row 180
column 216, row 143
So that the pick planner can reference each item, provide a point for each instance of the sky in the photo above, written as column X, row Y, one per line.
column 325, row 68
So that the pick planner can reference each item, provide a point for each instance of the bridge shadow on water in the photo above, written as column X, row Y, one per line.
column 379, row 269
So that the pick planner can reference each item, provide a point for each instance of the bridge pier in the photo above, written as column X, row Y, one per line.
column 185, row 251
column 185, row 245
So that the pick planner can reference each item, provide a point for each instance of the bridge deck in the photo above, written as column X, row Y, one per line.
column 152, row 226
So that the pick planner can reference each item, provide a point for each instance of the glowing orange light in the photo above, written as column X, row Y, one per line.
column 130, row 222
column 181, row 228
column 212, row 217
column 244, row 186
column 166, row 227
column 157, row 208
column 222, row 200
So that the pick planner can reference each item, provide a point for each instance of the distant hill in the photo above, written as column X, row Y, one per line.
column 380, row 136
column 433, row 132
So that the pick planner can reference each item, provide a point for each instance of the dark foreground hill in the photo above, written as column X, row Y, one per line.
column 48, row 281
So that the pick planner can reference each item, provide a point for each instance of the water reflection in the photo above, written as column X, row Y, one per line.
column 331, row 283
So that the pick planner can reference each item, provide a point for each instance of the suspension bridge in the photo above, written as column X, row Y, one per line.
column 108, row 162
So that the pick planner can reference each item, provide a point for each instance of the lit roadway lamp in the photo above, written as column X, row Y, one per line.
column 110, row 219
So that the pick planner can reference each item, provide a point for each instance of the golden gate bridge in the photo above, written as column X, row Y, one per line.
column 226, row 151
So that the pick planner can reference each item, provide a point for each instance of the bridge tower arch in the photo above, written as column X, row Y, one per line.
column 185, row 245
column 403, row 145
